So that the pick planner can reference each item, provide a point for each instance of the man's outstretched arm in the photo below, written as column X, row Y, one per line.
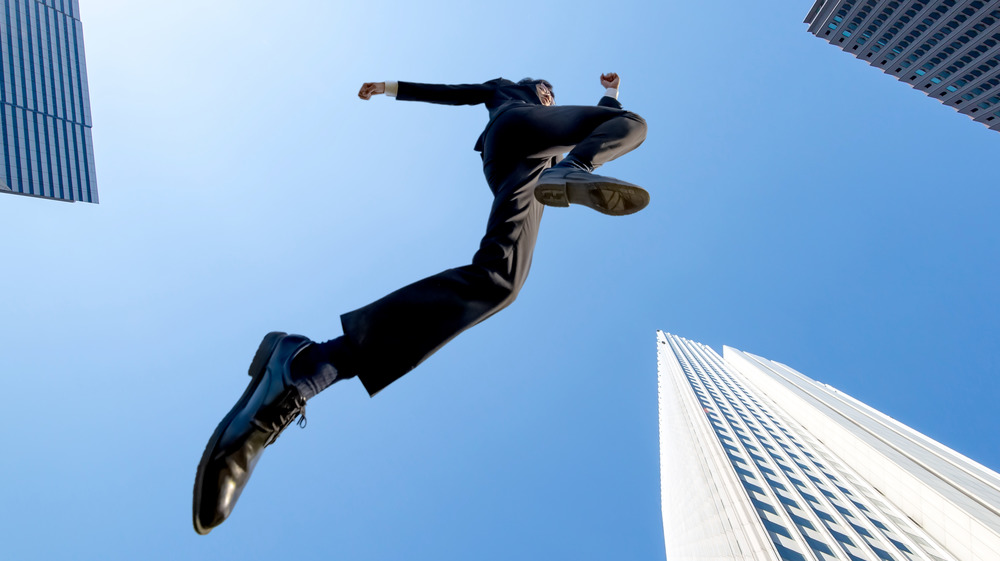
column 459, row 94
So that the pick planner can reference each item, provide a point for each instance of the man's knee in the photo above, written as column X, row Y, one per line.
column 503, row 291
column 637, row 124
column 496, row 283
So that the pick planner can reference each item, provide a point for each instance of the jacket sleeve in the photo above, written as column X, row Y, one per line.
column 608, row 101
column 458, row 94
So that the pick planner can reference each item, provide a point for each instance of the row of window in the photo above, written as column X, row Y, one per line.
column 839, row 16
column 862, row 15
column 962, row 61
column 804, row 485
column 782, row 538
column 960, row 42
column 900, row 24
column 957, row 21
column 796, row 511
column 877, row 23
column 973, row 75
column 968, row 57
column 45, row 156
column 726, row 395
column 39, row 73
column 733, row 401
column 68, row 7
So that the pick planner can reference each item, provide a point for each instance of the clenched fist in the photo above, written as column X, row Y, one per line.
column 368, row 89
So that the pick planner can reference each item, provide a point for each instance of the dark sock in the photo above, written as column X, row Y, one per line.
column 320, row 365
column 573, row 162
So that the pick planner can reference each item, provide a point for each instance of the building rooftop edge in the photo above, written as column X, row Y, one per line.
column 813, row 11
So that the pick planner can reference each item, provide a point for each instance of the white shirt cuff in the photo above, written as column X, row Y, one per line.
column 610, row 92
column 391, row 88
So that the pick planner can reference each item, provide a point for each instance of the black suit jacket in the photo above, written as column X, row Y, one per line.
column 498, row 95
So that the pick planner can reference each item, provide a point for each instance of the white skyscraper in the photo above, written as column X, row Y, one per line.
column 760, row 462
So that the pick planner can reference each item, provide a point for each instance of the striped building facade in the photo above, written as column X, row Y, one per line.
column 948, row 49
column 47, row 150
column 759, row 462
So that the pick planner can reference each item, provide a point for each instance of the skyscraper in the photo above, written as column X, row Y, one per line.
column 948, row 49
column 47, row 149
column 759, row 462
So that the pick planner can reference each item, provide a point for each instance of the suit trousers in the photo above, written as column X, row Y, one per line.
column 394, row 334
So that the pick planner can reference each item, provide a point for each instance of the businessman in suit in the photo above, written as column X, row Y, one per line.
column 521, row 149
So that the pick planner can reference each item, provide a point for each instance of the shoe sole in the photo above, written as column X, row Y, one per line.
column 614, row 199
column 258, row 366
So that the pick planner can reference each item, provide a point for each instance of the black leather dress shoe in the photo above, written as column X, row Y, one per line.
column 269, row 404
column 561, row 186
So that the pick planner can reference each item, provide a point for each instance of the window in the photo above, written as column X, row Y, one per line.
column 800, row 521
column 787, row 554
column 843, row 511
column 761, row 505
column 842, row 538
column 863, row 531
column 817, row 545
column 882, row 554
column 786, row 501
column 900, row 545
column 822, row 514
column 776, row 528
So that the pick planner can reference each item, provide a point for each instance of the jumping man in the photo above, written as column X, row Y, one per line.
column 521, row 149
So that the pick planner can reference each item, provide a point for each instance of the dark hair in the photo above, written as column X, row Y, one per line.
column 534, row 82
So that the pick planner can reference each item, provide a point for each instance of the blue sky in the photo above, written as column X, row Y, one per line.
column 806, row 208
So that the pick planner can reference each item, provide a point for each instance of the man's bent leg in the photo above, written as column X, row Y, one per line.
column 594, row 136
column 393, row 335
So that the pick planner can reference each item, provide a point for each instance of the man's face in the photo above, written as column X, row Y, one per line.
column 545, row 94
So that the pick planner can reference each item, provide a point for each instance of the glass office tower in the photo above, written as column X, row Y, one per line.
column 759, row 462
column 47, row 149
column 948, row 49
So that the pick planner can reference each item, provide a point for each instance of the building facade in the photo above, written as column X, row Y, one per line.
column 948, row 49
column 759, row 462
column 47, row 150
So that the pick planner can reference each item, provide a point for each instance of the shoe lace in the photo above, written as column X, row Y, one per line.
column 276, row 418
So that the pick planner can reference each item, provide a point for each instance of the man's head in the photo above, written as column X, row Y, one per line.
column 542, row 88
